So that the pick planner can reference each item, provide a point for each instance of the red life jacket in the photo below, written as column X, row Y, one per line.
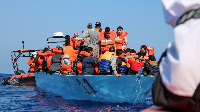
column 107, row 43
column 120, row 41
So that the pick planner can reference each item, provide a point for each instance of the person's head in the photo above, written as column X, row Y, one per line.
column 76, row 34
column 127, row 51
column 107, row 31
column 112, row 49
column 67, row 40
column 143, row 49
column 60, row 48
column 98, row 25
column 152, row 58
column 57, row 46
column 90, row 50
column 132, row 50
column 141, row 55
column 89, row 26
column 34, row 54
column 66, row 59
column 119, row 30
column 45, row 50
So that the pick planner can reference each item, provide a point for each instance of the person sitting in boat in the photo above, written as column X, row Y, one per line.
column 120, row 40
column 31, row 62
column 77, row 65
column 154, row 65
column 40, row 60
column 136, row 62
column 147, row 50
column 66, row 65
column 108, row 63
column 55, row 61
column 68, row 49
column 88, row 61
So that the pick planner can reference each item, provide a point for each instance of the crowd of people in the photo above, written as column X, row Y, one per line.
column 101, row 52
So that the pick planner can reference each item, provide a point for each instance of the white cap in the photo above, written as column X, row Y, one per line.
column 58, row 34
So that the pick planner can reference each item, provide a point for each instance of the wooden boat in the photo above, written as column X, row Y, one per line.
column 103, row 88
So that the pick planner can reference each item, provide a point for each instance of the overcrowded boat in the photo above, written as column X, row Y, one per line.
column 75, row 71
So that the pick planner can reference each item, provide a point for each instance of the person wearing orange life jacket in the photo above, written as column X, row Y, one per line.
column 69, row 49
column 31, row 62
column 120, row 40
column 107, row 40
column 49, row 56
column 66, row 65
column 76, row 42
column 147, row 50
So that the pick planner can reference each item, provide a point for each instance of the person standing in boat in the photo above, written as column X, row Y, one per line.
column 94, row 40
column 68, row 49
column 107, row 40
column 86, row 33
column 88, row 62
column 120, row 40
column 31, row 62
column 108, row 63
column 178, row 84
column 76, row 42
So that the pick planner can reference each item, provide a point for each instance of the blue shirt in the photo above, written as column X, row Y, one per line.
column 87, row 65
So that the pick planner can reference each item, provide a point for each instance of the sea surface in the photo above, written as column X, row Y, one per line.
column 26, row 98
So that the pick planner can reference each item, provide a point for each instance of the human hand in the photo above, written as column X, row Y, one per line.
column 117, row 75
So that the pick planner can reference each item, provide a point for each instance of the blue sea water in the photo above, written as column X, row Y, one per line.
column 26, row 98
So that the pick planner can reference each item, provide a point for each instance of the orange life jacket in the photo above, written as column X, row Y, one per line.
column 84, row 53
column 120, row 41
column 73, row 42
column 41, row 60
column 70, row 51
column 79, row 67
column 31, row 61
column 66, row 67
column 106, row 43
column 150, row 50
column 49, row 54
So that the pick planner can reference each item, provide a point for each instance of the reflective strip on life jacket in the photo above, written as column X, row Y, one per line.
column 119, row 41
column 150, row 50
column 107, row 43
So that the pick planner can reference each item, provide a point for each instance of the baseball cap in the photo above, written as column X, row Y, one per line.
column 98, row 24
column 89, row 25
